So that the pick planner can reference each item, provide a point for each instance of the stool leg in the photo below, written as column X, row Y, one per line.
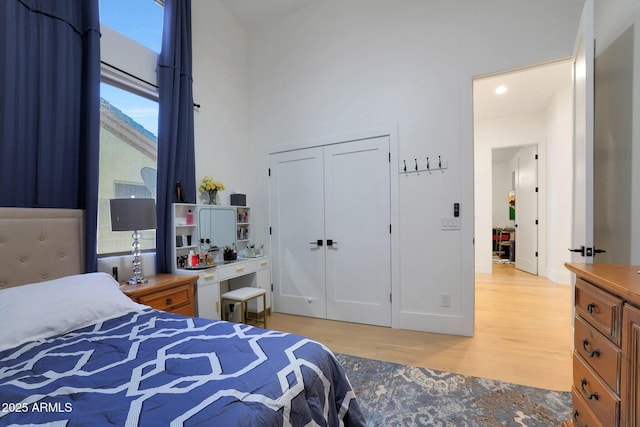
column 264, row 310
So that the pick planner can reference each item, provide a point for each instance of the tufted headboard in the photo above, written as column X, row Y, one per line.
column 40, row 244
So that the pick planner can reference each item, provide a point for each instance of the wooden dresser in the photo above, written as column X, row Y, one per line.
column 606, row 358
column 166, row 292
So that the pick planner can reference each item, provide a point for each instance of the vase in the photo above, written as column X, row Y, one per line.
column 213, row 194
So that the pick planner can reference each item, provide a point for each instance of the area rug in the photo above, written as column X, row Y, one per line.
column 397, row 395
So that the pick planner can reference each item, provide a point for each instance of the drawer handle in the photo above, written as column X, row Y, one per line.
column 263, row 263
column 585, row 346
column 208, row 276
column 239, row 269
column 588, row 395
column 575, row 419
column 169, row 301
column 591, row 307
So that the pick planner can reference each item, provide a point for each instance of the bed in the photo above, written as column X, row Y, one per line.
column 75, row 351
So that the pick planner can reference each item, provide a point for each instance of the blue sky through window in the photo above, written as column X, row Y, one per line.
column 140, row 20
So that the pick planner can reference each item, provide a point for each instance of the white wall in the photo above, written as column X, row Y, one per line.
column 220, row 86
column 501, row 183
column 339, row 67
column 559, row 134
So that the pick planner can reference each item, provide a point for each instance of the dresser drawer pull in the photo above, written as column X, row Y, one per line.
column 591, row 307
column 588, row 395
column 169, row 301
column 575, row 419
column 585, row 346
column 239, row 269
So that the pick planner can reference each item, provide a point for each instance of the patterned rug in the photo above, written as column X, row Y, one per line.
column 397, row 395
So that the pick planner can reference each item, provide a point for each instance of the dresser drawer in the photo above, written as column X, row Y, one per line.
column 600, row 309
column 597, row 395
column 581, row 413
column 170, row 299
column 600, row 353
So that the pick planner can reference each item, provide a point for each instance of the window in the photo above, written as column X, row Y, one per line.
column 128, row 154
column 128, row 113
column 139, row 20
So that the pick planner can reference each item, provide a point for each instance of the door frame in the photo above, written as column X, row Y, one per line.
column 392, row 133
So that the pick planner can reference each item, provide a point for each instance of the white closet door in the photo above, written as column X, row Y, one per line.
column 357, row 220
column 527, row 210
column 297, row 222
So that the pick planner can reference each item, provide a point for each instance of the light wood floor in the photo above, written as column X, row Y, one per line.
column 522, row 334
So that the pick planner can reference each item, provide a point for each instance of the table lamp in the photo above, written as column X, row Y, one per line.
column 134, row 215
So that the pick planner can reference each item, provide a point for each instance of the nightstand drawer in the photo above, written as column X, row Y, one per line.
column 596, row 394
column 170, row 299
column 600, row 353
column 600, row 309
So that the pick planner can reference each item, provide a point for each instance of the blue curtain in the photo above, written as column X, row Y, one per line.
column 176, row 158
column 50, row 107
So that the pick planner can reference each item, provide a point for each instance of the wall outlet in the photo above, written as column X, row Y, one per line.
column 445, row 300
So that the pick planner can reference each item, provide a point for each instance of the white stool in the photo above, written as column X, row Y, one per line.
column 243, row 296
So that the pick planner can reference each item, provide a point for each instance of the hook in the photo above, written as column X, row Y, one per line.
column 405, row 165
column 416, row 160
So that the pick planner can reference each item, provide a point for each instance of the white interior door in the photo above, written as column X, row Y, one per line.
column 583, row 90
column 357, row 221
column 297, row 224
column 527, row 210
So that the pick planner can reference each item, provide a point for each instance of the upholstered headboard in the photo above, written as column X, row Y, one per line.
column 40, row 244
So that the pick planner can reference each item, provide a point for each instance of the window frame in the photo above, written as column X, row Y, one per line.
column 131, row 67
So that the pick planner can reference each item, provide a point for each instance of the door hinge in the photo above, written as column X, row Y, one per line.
column 270, row 231
column 269, row 171
column 536, row 189
column 536, row 222
column 272, row 287
column 536, row 157
column 536, row 254
column 391, row 298
column 389, row 228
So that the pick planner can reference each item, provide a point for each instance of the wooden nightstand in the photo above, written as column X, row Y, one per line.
column 166, row 292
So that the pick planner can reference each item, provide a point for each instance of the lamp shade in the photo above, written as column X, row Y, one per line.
column 133, row 214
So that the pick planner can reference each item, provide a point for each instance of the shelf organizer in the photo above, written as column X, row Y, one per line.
column 427, row 164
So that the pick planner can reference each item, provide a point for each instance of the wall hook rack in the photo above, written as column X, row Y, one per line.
column 424, row 167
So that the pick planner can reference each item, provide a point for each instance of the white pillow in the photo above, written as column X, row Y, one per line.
column 40, row 310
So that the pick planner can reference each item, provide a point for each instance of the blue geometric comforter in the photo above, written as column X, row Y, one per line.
column 152, row 368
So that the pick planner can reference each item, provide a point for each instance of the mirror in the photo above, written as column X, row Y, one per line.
column 218, row 224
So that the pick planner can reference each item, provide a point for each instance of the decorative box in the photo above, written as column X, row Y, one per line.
column 238, row 199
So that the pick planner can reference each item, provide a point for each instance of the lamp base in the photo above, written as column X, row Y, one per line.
column 137, row 280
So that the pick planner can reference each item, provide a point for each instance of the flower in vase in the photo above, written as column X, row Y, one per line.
column 208, row 184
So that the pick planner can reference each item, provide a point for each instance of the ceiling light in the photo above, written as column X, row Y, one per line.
column 501, row 90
